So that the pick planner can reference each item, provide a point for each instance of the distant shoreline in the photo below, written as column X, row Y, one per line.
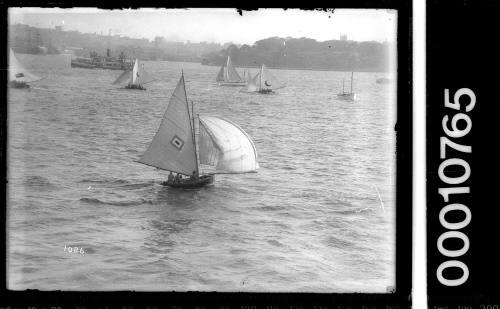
column 238, row 67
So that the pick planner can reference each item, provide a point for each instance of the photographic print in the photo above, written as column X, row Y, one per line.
column 202, row 150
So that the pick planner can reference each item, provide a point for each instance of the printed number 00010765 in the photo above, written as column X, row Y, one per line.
column 455, row 133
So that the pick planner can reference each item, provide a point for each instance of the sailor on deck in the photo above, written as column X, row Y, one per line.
column 194, row 176
column 170, row 178
column 178, row 178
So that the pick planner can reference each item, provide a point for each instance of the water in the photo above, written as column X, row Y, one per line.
column 310, row 220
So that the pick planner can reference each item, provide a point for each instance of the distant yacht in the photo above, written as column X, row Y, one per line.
column 222, row 147
column 136, row 77
column 263, row 82
column 348, row 96
column 228, row 76
column 19, row 77
column 383, row 80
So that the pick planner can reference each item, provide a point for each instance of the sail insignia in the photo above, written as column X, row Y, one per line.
column 18, row 73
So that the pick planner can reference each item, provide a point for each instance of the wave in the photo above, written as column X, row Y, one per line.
column 96, row 201
column 128, row 184
column 38, row 182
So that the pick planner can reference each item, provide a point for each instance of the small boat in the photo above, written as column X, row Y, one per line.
column 348, row 96
column 219, row 147
column 228, row 76
column 383, row 80
column 136, row 77
column 263, row 82
column 19, row 77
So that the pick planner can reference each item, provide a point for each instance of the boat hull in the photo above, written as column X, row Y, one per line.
column 191, row 184
column 76, row 64
column 346, row 96
column 136, row 87
column 19, row 85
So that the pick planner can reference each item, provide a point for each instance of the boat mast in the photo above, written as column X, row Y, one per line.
column 261, row 71
column 352, row 74
column 194, row 136
column 227, row 68
column 191, row 123
column 343, row 87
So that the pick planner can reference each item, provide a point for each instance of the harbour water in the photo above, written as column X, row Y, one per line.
column 319, row 216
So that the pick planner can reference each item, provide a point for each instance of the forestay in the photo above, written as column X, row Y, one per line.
column 225, row 147
column 17, row 72
column 173, row 148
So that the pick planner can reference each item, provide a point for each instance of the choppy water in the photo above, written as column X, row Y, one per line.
column 310, row 220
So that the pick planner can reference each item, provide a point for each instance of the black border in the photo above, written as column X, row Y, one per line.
column 400, row 298
column 461, row 53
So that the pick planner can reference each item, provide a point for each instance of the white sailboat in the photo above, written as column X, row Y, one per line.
column 19, row 77
column 348, row 96
column 222, row 147
column 228, row 76
column 263, row 82
column 136, row 77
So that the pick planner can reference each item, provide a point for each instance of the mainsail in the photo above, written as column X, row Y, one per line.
column 228, row 73
column 267, row 81
column 135, row 73
column 17, row 72
column 225, row 147
column 173, row 146
column 137, row 76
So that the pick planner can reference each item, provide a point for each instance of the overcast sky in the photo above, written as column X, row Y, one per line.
column 218, row 25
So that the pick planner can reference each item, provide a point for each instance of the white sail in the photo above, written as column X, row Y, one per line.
column 17, row 72
column 173, row 147
column 135, row 73
column 143, row 77
column 267, row 80
column 228, row 73
column 225, row 147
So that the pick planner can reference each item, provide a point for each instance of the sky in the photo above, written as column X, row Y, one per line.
column 217, row 25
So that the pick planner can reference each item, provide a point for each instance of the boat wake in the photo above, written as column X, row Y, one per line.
column 96, row 201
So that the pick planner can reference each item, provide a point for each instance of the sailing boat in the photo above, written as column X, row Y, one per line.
column 136, row 77
column 228, row 76
column 222, row 146
column 263, row 82
column 348, row 96
column 19, row 77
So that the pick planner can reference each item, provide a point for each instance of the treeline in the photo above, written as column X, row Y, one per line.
column 305, row 53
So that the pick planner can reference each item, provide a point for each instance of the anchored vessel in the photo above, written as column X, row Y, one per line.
column 263, row 82
column 19, row 77
column 136, row 77
column 222, row 147
column 348, row 96
column 228, row 76
column 99, row 62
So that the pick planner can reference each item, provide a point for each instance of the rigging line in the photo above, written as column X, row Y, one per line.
column 380, row 199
